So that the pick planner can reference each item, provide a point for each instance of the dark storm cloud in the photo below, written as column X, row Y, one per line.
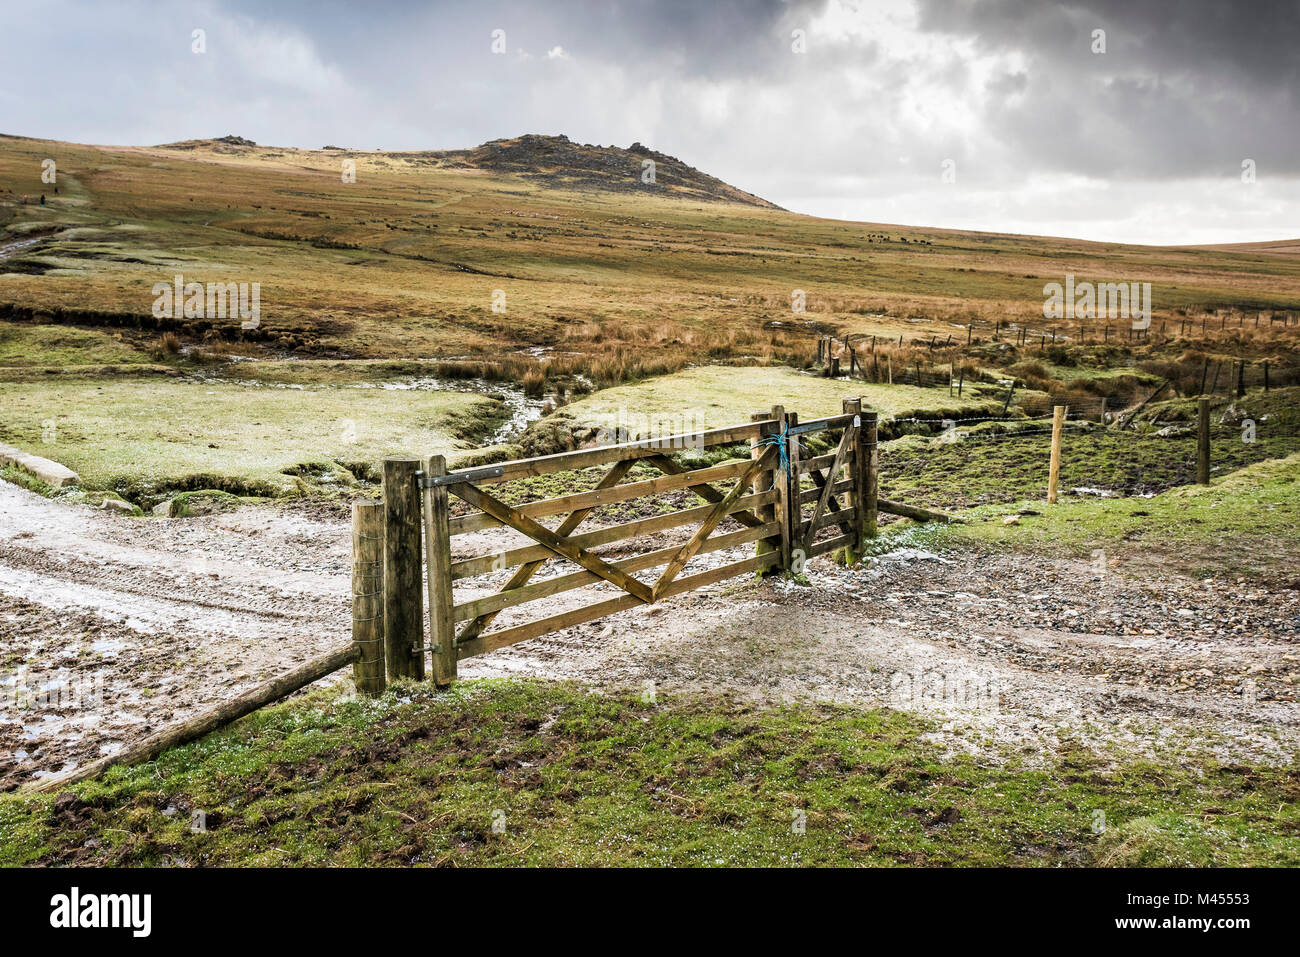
column 1185, row 88
column 1248, row 44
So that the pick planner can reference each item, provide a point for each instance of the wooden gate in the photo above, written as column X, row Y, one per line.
column 788, row 504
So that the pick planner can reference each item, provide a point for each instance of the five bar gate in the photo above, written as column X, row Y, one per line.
column 789, row 504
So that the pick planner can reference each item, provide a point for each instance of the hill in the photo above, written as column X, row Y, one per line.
column 533, row 243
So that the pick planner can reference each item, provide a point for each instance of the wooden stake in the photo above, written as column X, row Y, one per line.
column 871, row 474
column 1054, row 469
column 437, row 543
column 368, row 595
column 913, row 512
column 1203, row 441
column 403, row 598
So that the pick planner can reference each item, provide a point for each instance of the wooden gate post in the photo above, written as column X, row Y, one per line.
column 1054, row 469
column 403, row 597
column 1203, row 441
column 368, row 595
column 791, row 512
column 437, row 533
column 858, row 473
column 871, row 472
column 779, row 511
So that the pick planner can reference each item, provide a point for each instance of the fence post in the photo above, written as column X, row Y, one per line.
column 769, row 513
column 437, row 533
column 788, row 497
column 871, row 477
column 853, row 553
column 368, row 595
column 1054, row 469
column 1203, row 441
column 403, row 599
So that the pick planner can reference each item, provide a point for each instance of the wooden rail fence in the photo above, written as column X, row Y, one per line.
column 788, row 504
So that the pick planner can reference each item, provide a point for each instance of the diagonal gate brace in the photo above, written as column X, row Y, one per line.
column 526, row 571
column 544, row 536
column 845, row 441
column 687, row 551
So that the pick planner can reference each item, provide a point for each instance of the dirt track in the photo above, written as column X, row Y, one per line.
column 147, row 621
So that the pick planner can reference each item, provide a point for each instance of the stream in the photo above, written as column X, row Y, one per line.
column 523, row 409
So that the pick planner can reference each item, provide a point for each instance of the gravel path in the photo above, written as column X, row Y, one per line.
column 111, row 627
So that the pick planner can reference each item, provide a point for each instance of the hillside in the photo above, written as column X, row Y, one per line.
column 408, row 259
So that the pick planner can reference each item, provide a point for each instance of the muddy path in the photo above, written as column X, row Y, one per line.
column 111, row 627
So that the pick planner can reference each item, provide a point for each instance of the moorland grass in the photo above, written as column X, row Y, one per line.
column 1245, row 523
column 144, row 438
column 519, row 772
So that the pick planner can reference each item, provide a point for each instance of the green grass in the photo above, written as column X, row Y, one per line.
column 1247, row 522
column 986, row 470
column 572, row 777
column 145, row 437
column 713, row 396
column 60, row 346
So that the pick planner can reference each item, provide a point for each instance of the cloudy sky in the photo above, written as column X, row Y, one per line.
column 832, row 107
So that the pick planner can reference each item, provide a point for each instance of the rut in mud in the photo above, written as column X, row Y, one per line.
column 146, row 621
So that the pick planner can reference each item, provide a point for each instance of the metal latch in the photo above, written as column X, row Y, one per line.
column 455, row 478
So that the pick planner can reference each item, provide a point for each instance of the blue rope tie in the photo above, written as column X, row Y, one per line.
column 779, row 441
